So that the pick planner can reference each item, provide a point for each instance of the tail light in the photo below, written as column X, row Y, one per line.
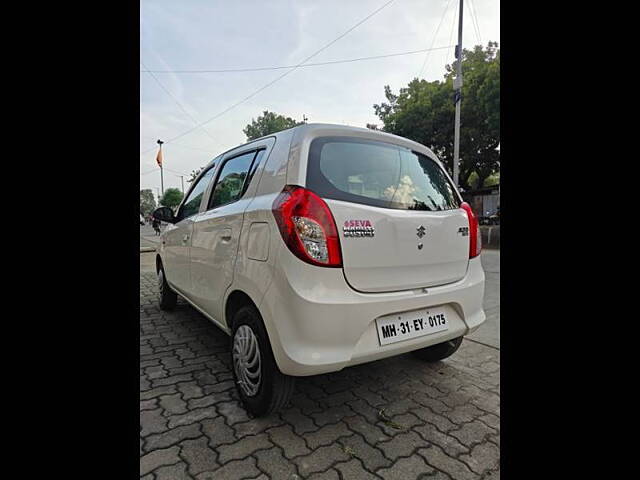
column 475, row 245
column 307, row 226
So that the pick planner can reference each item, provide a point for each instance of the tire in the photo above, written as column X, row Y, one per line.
column 167, row 298
column 263, row 389
column 439, row 351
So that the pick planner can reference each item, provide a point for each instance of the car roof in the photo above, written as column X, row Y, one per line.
column 309, row 128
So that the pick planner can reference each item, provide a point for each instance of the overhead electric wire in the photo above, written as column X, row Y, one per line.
column 218, row 115
column 190, row 148
column 184, row 110
column 183, row 146
column 474, row 20
column 426, row 57
column 167, row 169
column 331, row 62
column 175, row 171
column 453, row 25
column 175, row 145
column 411, row 52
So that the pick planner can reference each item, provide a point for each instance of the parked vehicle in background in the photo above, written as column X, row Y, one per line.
column 490, row 218
column 322, row 247
column 141, row 220
column 485, row 202
column 495, row 218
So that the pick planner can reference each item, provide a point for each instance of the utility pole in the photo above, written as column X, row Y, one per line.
column 457, row 86
column 160, row 142
column 498, row 149
column 182, row 182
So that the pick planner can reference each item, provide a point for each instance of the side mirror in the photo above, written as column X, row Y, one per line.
column 164, row 214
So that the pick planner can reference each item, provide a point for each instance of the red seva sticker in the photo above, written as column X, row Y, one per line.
column 357, row 223
column 358, row 228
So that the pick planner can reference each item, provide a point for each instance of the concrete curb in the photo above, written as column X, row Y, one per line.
column 151, row 245
column 490, row 236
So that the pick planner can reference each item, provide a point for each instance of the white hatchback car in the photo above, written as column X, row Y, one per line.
column 321, row 247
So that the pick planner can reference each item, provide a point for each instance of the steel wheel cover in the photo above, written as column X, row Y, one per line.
column 160, row 282
column 246, row 360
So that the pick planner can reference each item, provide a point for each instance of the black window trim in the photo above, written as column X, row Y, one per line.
column 245, row 185
column 193, row 185
column 255, row 164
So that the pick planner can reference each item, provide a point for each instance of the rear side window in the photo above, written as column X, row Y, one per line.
column 231, row 181
column 378, row 174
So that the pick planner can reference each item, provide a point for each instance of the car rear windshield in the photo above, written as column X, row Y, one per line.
column 379, row 174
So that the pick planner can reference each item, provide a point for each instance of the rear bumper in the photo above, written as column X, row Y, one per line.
column 318, row 324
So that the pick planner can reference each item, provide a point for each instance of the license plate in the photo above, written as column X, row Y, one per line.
column 406, row 325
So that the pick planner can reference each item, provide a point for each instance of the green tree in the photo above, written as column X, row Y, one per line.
column 424, row 111
column 268, row 123
column 147, row 202
column 492, row 180
column 489, row 182
column 171, row 198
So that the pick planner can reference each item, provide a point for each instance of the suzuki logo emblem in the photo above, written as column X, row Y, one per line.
column 421, row 231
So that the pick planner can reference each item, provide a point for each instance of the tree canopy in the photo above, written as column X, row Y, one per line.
column 171, row 198
column 147, row 202
column 424, row 111
column 268, row 123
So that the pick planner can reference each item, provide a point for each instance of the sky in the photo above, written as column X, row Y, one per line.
column 242, row 34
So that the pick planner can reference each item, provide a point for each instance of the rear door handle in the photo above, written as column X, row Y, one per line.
column 226, row 236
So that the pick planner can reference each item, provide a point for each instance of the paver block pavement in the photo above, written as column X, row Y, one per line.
column 440, row 420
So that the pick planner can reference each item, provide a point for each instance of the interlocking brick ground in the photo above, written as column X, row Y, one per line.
column 444, row 418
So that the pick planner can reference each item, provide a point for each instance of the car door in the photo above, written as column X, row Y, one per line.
column 176, row 240
column 216, row 231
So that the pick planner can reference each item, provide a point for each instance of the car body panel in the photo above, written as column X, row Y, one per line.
column 213, row 254
column 176, row 242
column 395, row 257
column 318, row 324
column 216, row 235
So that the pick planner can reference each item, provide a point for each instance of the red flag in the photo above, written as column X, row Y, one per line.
column 159, row 157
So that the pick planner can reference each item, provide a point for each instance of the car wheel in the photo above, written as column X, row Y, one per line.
column 167, row 297
column 439, row 351
column 262, row 387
